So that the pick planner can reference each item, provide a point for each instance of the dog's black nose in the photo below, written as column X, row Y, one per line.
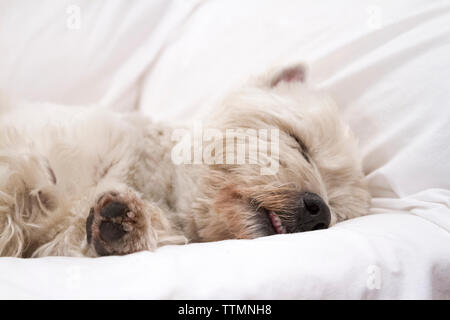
column 314, row 213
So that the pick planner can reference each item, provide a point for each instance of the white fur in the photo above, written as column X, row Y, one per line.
column 55, row 161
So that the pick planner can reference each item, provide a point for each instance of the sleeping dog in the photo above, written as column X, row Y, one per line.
column 275, row 157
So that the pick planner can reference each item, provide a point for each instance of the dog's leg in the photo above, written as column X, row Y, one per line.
column 28, row 195
column 121, row 222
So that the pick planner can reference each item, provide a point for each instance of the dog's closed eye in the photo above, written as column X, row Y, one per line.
column 301, row 147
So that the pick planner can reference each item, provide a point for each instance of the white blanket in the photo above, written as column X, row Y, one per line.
column 385, row 62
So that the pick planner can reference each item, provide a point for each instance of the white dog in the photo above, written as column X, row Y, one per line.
column 89, row 182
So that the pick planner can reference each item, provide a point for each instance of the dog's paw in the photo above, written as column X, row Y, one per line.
column 116, row 224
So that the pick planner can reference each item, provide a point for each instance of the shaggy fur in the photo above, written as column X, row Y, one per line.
column 90, row 182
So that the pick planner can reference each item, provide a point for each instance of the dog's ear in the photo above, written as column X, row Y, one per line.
column 291, row 74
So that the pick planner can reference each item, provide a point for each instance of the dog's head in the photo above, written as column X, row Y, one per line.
column 300, row 170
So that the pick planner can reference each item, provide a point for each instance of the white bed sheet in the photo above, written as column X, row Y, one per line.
column 386, row 63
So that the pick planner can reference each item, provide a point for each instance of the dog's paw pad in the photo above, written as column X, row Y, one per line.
column 110, row 231
column 115, row 224
column 113, row 210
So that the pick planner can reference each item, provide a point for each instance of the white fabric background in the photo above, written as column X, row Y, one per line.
column 385, row 62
